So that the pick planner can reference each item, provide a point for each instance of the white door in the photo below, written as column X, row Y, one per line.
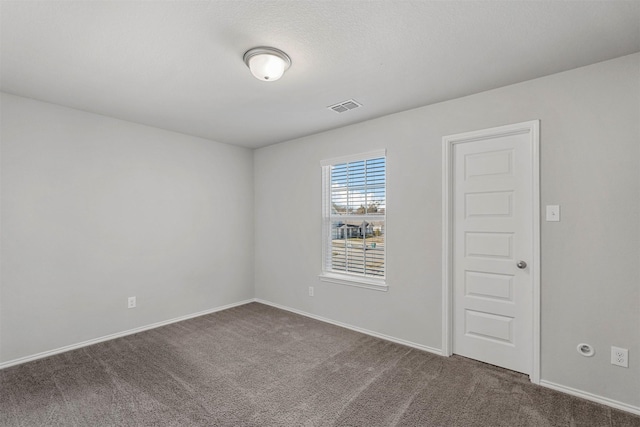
column 492, row 254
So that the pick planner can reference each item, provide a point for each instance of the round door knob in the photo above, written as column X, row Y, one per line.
column 521, row 264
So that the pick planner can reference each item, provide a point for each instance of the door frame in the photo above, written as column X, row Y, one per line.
column 532, row 128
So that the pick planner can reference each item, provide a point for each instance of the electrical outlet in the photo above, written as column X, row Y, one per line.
column 620, row 357
column 310, row 291
column 131, row 302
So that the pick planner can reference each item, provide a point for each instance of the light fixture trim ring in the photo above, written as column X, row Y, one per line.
column 261, row 50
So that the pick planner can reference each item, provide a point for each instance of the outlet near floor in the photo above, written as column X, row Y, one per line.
column 620, row 357
column 131, row 302
column 310, row 291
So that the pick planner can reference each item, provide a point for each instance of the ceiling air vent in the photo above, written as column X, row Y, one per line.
column 343, row 106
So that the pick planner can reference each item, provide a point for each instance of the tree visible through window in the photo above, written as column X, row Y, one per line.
column 354, row 217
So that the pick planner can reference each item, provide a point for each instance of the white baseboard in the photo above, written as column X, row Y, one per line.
column 354, row 328
column 117, row 335
column 592, row 397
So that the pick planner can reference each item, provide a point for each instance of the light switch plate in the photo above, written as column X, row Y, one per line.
column 553, row 212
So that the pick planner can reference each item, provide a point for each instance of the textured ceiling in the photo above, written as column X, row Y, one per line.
column 178, row 65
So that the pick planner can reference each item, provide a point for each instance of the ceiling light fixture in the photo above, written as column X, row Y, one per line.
column 267, row 63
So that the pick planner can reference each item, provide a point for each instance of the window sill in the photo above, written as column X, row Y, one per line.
column 360, row 282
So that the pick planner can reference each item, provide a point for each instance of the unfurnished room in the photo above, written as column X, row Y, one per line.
column 319, row 213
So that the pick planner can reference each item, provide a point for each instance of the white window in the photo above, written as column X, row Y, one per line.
column 354, row 205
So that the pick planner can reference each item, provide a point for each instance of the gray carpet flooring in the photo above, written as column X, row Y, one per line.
column 255, row 365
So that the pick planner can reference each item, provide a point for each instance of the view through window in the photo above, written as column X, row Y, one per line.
column 354, row 217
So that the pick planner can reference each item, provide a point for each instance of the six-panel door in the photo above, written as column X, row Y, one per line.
column 492, row 232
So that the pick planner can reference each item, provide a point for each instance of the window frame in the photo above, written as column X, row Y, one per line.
column 341, row 277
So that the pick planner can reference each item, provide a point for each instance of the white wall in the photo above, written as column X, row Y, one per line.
column 95, row 210
column 590, row 163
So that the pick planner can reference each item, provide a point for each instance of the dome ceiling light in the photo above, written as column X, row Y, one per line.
column 267, row 63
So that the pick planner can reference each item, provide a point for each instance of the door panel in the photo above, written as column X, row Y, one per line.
column 488, row 163
column 488, row 285
column 489, row 326
column 489, row 245
column 496, row 204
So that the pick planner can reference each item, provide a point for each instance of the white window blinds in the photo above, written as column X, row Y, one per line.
column 354, row 215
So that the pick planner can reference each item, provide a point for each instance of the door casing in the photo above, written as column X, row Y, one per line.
column 532, row 128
